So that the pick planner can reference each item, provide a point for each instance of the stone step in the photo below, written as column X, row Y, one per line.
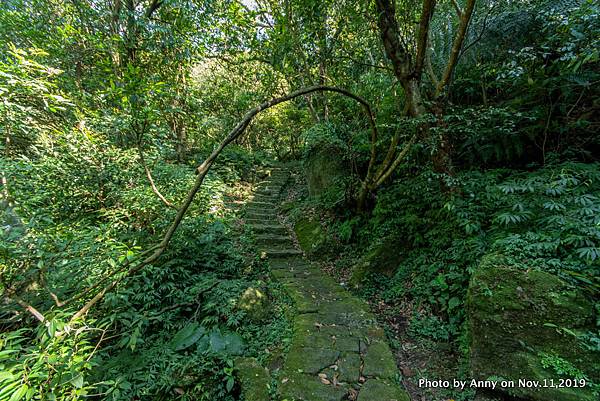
column 269, row 228
column 260, row 216
column 267, row 194
column 268, row 190
column 261, row 211
column 282, row 253
column 269, row 184
column 276, row 240
column 270, row 220
column 264, row 202
column 265, row 198
column 255, row 203
column 261, row 219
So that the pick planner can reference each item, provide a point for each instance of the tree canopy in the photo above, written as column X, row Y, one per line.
column 451, row 129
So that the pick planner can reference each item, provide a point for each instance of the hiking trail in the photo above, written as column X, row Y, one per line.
column 338, row 352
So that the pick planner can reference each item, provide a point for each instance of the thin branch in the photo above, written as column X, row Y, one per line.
column 97, row 345
column 457, row 8
column 456, row 46
column 151, row 180
column 576, row 103
column 481, row 33
column 30, row 309
column 423, row 35
column 380, row 180
column 430, row 70
column 380, row 67
column 155, row 5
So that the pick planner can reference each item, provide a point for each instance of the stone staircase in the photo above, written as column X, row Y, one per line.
column 337, row 352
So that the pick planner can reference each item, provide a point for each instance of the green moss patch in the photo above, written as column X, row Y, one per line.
column 515, row 316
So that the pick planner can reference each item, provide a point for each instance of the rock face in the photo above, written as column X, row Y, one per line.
column 523, row 325
column 311, row 235
column 325, row 170
column 382, row 258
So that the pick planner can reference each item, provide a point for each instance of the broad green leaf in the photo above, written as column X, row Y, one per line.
column 17, row 395
column 187, row 336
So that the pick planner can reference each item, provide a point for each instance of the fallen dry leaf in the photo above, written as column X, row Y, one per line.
column 406, row 371
column 323, row 375
column 325, row 381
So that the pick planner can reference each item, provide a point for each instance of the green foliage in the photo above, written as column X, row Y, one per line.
column 30, row 98
column 561, row 367
column 429, row 327
column 542, row 62
column 325, row 135
column 49, row 364
column 84, row 84
column 545, row 220
column 487, row 134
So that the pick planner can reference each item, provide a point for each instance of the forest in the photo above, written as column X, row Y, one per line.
column 300, row 200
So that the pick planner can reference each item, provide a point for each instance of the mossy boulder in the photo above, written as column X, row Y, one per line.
column 255, row 303
column 311, row 235
column 523, row 325
column 254, row 379
column 325, row 170
column 382, row 258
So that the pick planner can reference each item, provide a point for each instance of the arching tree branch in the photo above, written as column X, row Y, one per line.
column 203, row 170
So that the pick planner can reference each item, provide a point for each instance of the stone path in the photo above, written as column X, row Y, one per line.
column 337, row 352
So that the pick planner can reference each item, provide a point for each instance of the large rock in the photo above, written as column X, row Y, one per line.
column 523, row 324
column 325, row 170
column 255, row 380
column 311, row 236
column 256, row 303
column 382, row 258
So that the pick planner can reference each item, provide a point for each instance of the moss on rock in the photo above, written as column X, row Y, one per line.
column 254, row 379
column 382, row 391
column 255, row 303
column 515, row 316
column 379, row 361
column 382, row 258
column 325, row 168
column 311, row 235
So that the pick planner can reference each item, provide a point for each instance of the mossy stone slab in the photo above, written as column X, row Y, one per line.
column 254, row 379
column 349, row 367
column 309, row 360
column 311, row 235
column 379, row 361
column 303, row 387
column 382, row 258
column 379, row 390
